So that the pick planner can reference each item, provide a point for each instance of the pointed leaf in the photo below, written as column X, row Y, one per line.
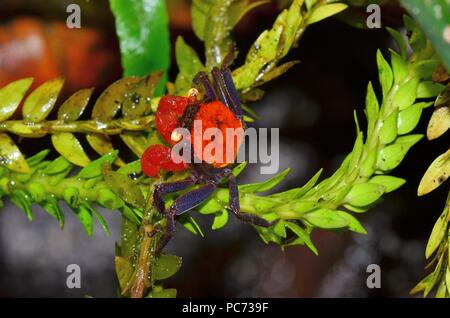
column 41, row 101
column 166, row 266
column 436, row 174
column 326, row 11
column 69, row 147
column 11, row 95
column 125, row 188
column 10, row 155
column 75, row 105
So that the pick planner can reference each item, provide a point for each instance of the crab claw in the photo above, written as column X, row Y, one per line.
column 170, row 109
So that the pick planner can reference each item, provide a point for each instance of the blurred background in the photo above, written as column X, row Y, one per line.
column 313, row 107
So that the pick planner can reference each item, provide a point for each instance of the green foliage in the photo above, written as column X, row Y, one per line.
column 436, row 174
column 143, row 30
column 131, row 96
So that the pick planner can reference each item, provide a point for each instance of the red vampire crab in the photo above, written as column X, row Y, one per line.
column 221, row 109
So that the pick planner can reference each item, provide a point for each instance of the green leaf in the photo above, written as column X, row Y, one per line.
column 389, row 183
column 400, row 41
column 409, row 118
column 166, row 266
column 37, row 158
column 70, row 148
column 429, row 89
column 265, row 185
column 436, row 174
column 190, row 224
column 384, row 73
column 240, row 8
column 102, row 221
column 298, row 192
column 388, row 131
column 372, row 109
column 303, row 236
column 41, row 101
column 406, row 94
column 326, row 219
column 188, row 61
column 353, row 224
column 22, row 200
column 391, row 156
column 326, row 11
column 84, row 214
column 94, row 169
column 125, row 188
column 75, row 105
column 143, row 30
column 124, row 272
column 57, row 166
column 51, row 206
column 220, row 220
column 164, row 293
column 11, row 95
column 399, row 67
column 10, row 155
column 362, row 194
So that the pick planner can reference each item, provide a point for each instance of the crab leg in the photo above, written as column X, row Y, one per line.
column 235, row 207
column 204, row 80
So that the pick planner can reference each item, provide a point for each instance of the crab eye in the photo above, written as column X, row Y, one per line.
column 176, row 136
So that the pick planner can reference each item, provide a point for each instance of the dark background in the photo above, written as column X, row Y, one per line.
column 313, row 107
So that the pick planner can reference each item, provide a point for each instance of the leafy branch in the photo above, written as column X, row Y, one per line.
column 435, row 176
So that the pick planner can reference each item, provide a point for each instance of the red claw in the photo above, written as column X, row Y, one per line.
column 170, row 109
column 156, row 157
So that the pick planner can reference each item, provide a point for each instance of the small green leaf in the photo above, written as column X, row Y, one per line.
column 124, row 272
column 84, row 214
column 385, row 74
column 388, row 131
column 439, row 122
column 389, row 183
column 164, row 293
column 57, row 166
column 353, row 224
column 166, row 266
column 11, row 95
column 372, row 108
column 399, row 67
column 409, row 118
column 326, row 11
column 428, row 89
column 303, row 236
column 51, row 206
column 71, row 195
column 188, row 61
column 391, row 156
column 22, row 200
column 108, row 199
column 190, row 224
column 125, row 188
column 363, row 194
column 326, row 219
column 70, row 148
column 265, row 185
column 400, row 41
column 40, row 102
column 10, row 155
column 406, row 94
column 75, row 105
column 102, row 145
column 102, row 221
column 94, row 169
column 436, row 174
column 220, row 220
column 33, row 161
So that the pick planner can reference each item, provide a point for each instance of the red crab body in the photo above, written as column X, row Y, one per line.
column 220, row 110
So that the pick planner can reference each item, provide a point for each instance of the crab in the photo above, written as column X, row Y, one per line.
column 220, row 108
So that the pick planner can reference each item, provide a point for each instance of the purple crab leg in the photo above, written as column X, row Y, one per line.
column 165, row 188
column 202, row 78
column 231, row 91
column 226, row 90
column 191, row 199
column 235, row 207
